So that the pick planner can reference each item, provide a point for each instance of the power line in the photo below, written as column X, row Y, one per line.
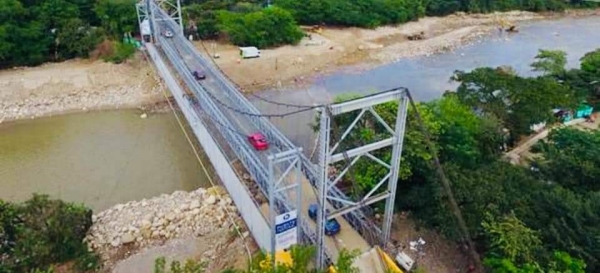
column 196, row 107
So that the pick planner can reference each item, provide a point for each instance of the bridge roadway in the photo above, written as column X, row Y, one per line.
column 244, row 125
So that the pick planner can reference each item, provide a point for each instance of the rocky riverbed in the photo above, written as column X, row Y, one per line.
column 76, row 86
column 126, row 229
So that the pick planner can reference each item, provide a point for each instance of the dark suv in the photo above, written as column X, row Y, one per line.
column 332, row 227
column 199, row 75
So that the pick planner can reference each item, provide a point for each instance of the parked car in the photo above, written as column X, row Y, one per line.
column 168, row 34
column 258, row 141
column 332, row 227
column 199, row 75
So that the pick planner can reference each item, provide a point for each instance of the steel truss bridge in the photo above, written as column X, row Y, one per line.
column 221, row 118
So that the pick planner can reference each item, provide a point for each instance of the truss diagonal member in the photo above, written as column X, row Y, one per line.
column 380, row 119
column 383, row 180
column 381, row 162
column 286, row 172
column 282, row 189
column 342, row 200
column 362, row 150
column 359, row 205
column 343, row 172
column 348, row 130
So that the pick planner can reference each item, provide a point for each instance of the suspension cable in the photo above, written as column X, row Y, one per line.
column 285, row 104
column 194, row 102
column 246, row 113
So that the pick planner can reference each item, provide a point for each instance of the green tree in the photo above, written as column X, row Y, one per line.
column 76, row 39
column 42, row 232
column 268, row 27
column 117, row 16
column 572, row 158
column 550, row 62
column 53, row 13
column 590, row 62
column 518, row 102
column 512, row 239
column 564, row 263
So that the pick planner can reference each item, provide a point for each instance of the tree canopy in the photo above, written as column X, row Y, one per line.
column 522, row 219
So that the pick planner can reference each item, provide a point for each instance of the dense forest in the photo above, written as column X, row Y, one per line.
column 36, row 31
column 32, row 32
column 541, row 217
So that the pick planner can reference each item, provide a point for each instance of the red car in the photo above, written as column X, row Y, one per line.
column 258, row 141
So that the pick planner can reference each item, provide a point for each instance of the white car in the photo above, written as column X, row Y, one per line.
column 168, row 34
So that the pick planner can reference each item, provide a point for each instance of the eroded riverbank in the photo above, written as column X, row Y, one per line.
column 76, row 86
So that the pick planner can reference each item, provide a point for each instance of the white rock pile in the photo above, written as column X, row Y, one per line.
column 151, row 221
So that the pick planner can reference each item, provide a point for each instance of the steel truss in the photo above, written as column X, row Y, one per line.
column 328, row 156
column 142, row 9
column 282, row 187
column 173, row 10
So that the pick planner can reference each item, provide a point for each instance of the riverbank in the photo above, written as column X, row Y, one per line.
column 76, row 86
column 335, row 48
column 183, row 225
column 84, row 85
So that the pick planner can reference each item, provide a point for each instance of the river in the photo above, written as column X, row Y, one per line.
column 428, row 77
column 104, row 158
column 98, row 158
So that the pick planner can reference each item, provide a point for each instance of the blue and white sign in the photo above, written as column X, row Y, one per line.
column 286, row 230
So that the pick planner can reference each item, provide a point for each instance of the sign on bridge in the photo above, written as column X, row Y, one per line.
column 286, row 230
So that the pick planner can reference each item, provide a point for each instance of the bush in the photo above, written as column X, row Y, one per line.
column 363, row 13
column 117, row 52
column 41, row 232
column 265, row 28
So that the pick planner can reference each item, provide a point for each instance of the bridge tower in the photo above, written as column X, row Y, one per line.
column 351, row 154
column 173, row 8
column 147, row 19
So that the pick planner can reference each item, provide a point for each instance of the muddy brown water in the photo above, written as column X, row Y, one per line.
column 99, row 158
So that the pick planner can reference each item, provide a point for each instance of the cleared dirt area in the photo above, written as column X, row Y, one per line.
column 437, row 255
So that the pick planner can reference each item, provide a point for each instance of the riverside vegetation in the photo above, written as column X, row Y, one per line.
column 33, row 32
column 543, row 217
